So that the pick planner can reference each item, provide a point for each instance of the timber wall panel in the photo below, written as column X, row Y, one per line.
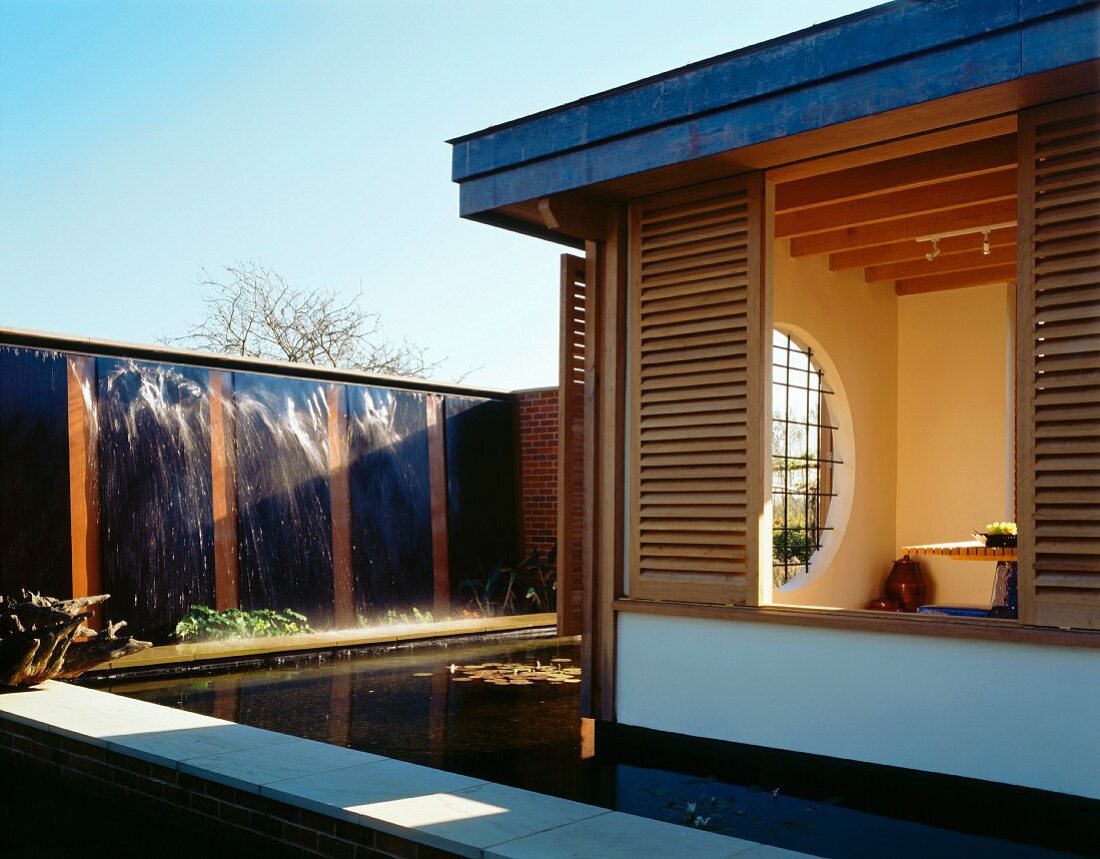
column 571, row 445
column 1059, row 364
column 695, row 345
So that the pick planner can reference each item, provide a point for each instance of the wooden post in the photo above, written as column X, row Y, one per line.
column 339, row 455
column 84, row 481
column 223, row 474
column 437, row 472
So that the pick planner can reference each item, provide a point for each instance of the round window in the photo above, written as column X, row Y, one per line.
column 803, row 458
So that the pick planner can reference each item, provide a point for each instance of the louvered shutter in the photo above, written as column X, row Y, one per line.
column 571, row 445
column 1058, row 385
column 698, row 319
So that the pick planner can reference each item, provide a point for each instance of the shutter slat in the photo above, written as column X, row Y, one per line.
column 1058, row 377
column 692, row 271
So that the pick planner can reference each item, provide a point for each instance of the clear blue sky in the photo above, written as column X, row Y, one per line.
column 140, row 141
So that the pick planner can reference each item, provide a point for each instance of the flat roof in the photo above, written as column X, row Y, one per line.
column 889, row 57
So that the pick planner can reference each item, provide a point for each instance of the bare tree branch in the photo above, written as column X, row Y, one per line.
column 253, row 311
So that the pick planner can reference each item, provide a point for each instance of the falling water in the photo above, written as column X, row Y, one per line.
column 155, row 486
column 35, row 550
column 390, row 500
column 284, row 506
column 155, row 492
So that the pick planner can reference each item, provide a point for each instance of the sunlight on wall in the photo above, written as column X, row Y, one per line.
column 953, row 429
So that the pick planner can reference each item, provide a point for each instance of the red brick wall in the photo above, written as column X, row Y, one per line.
column 538, row 433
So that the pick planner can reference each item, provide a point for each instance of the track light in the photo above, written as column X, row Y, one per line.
column 985, row 231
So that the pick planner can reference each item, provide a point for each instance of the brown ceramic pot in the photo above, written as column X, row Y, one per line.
column 907, row 585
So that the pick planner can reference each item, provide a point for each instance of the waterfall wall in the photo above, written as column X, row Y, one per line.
column 170, row 479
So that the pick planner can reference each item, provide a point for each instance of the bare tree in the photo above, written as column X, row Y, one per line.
column 253, row 311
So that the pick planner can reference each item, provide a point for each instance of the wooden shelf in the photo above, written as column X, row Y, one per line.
column 968, row 551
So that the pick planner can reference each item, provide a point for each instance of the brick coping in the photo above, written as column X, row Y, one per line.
column 290, row 790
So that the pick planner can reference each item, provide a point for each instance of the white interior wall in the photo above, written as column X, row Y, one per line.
column 1013, row 713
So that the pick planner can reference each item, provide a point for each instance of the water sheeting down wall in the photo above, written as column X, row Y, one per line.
column 283, row 495
column 35, row 551
column 156, row 511
column 157, row 446
column 481, row 485
column 390, row 499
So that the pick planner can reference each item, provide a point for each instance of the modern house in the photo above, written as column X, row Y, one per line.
column 839, row 297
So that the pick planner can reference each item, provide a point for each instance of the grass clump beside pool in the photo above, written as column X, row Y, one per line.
column 204, row 623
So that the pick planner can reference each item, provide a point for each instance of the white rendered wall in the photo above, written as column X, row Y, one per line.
column 1019, row 714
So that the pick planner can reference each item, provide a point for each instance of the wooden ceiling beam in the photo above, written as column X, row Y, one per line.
column 967, row 159
column 942, row 264
column 955, row 280
column 936, row 197
column 886, row 232
column 912, row 250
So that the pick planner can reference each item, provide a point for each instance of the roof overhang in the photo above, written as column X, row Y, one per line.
column 901, row 68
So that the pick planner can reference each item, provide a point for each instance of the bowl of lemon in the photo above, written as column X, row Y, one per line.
column 1000, row 535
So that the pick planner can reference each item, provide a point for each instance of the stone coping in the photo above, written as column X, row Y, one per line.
column 437, row 809
column 242, row 648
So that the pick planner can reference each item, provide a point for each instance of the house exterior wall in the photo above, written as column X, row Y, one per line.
column 954, row 433
column 957, row 707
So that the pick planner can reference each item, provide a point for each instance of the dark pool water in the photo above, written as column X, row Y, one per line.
column 408, row 704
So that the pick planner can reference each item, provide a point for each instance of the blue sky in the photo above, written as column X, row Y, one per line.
column 141, row 141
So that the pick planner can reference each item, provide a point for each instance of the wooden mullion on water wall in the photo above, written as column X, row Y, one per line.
column 1058, row 364
column 437, row 481
column 339, row 464
column 699, row 392
column 223, row 468
column 84, row 481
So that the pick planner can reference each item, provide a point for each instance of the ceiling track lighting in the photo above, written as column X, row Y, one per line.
column 985, row 231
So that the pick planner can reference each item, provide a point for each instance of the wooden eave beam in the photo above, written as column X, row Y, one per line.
column 942, row 264
column 936, row 197
column 912, row 250
column 887, row 232
column 581, row 218
column 954, row 280
column 967, row 159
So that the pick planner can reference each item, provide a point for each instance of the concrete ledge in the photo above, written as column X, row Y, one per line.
column 242, row 648
column 315, row 799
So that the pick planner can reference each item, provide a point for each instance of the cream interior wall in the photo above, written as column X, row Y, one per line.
column 855, row 325
column 953, row 470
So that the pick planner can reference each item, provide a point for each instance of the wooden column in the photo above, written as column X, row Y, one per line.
column 604, row 439
column 84, row 480
column 437, row 473
column 339, row 457
column 223, row 473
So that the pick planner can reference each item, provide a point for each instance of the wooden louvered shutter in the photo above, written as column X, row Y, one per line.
column 698, row 397
column 1058, row 383
column 571, row 446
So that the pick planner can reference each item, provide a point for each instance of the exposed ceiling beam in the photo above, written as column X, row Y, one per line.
column 936, row 197
column 967, row 159
column 911, row 250
column 897, row 230
column 942, row 264
column 954, row 280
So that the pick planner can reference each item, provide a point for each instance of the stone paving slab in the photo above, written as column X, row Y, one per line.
column 439, row 809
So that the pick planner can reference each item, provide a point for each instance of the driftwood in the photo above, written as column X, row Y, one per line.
column 42, row 638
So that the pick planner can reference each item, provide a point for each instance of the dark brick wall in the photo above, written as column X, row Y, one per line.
column 205, row 811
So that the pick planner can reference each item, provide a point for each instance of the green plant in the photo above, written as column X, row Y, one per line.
column 203, row 622
column 494, row 591
column 393, row 616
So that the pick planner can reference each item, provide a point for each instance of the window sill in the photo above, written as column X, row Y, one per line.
column 984, row 629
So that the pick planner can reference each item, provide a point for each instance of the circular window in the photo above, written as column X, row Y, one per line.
column 803, row 458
